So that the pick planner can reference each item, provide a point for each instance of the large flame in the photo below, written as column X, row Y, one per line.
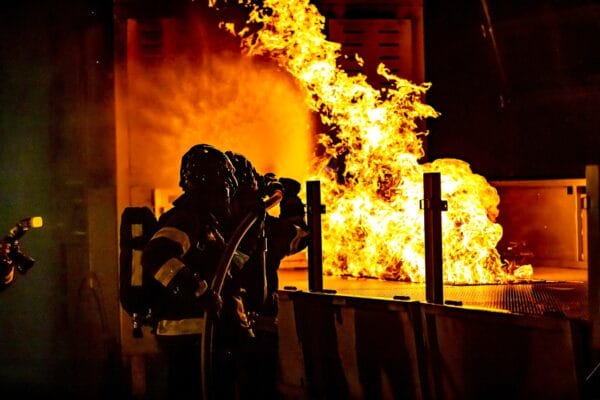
column 371, row 177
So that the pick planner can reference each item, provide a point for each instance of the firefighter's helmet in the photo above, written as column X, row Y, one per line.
column 245, row 172
column 207, row 171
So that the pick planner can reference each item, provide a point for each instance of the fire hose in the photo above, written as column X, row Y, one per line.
column 217, row 286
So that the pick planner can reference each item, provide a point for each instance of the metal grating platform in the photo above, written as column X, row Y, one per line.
column 539, row 297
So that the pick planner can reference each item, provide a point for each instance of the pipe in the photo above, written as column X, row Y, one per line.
column 592, row 189
column 315, row 247
column 433, row 205
column 501, row 71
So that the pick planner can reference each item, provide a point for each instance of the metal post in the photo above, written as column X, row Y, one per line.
column 433, row 205
column 315, row 249
column 592, row 182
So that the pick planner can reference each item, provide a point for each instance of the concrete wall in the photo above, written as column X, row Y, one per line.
column 59, row 322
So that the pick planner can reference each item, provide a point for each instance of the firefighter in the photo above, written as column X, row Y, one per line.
column 11, row 257
column 7, row 267
column 181, row 258
column 265, row 245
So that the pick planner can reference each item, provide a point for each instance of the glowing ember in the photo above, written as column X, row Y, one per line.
column 370, row 174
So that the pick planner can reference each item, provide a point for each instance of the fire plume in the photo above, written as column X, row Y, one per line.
column 369, row 167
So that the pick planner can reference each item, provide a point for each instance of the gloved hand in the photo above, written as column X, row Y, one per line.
column 211, row 301
column 291, row 205
column 291, row 187
column 242, row 318
column 266, row 179
column 208, row 299
column 191, row 288
column 273, row 187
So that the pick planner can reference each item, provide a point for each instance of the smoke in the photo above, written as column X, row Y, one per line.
column 231, row 101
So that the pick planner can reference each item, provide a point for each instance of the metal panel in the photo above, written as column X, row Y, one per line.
column 292, row 379
column 356, row 347
column 548, row 217
column 349, row 348
column 592, row 173
column 477, row 355
column 387, row 41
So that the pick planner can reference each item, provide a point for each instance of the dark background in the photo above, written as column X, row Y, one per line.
column 529, row 109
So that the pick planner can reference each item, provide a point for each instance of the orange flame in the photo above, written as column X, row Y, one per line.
column 373, row 225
